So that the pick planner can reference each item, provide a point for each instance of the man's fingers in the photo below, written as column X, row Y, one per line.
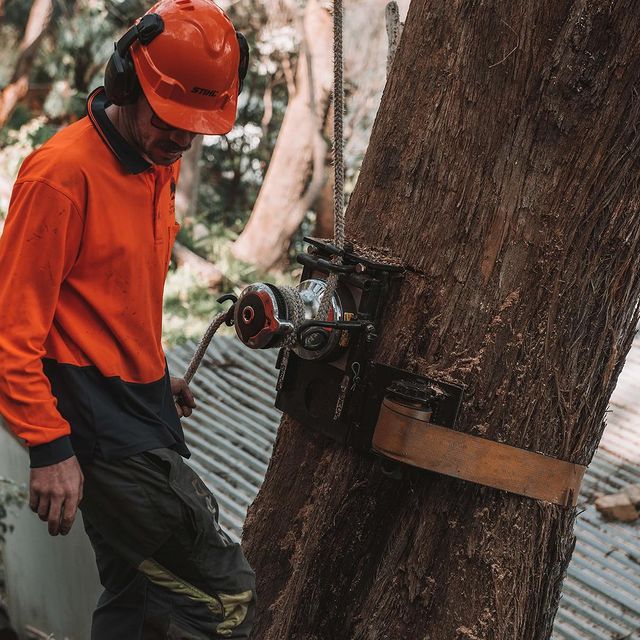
column 179, row 410
column 43, row 507
column 69, row 512
column 55, row 492
column 183, row 394
column 188, row 397
column 55, row 512
column 70, row 507
column 34, row 500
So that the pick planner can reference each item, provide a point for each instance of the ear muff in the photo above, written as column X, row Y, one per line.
column 243, row 65
column 120, row 82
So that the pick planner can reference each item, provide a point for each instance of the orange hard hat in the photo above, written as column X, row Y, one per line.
column 189, row 71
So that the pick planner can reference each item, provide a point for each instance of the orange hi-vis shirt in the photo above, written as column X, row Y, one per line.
column 83, row 257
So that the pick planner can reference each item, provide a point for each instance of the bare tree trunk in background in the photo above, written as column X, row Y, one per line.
column 324, row 211
column 37, row 25
column 186, row 201
column 366, row 53
column 206, row 272
column 187, row 191
column 503, row 170
column 286, row 192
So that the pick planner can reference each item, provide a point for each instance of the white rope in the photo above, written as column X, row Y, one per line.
column 216, row 323
column 338, row 155
column 394, row 31
column 295, row 306
column 338, row 128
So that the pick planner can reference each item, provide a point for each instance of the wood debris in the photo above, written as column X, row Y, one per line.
column 622, row 506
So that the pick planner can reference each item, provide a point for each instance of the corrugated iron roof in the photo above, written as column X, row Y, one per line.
column 601, row 594
column 232, row 433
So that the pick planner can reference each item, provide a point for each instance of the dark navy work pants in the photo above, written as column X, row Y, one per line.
column 168, row 570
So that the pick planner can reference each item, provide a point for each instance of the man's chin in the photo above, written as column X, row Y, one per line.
column 165, row 158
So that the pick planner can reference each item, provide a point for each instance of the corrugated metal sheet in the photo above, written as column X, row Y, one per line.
column 232, row 433
column 601, row 594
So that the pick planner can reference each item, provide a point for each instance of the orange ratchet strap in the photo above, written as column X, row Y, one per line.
column 405, row 434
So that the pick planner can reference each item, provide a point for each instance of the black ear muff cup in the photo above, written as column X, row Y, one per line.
column 122, row 88
column 243, row 65
column 120, row 81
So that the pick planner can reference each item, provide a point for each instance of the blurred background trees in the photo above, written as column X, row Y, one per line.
column 246, row 199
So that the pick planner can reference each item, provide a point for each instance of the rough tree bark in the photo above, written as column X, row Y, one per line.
column 503, row 169
column 287, row 192
column 37, row 25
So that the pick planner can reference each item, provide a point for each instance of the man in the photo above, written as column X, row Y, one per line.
column 83, row 378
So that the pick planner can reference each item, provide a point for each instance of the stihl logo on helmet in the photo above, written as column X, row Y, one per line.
column 204, row 92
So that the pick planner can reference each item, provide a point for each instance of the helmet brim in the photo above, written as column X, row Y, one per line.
column 181, row 116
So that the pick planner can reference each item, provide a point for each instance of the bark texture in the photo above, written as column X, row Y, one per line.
column 503, row 169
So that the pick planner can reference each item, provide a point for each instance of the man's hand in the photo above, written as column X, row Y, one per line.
column 185, row 402
column 55, row 493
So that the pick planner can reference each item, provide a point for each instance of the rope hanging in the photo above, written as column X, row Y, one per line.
column 292, row 297
column 338, row 128
column 203, row 345
column 338, row 154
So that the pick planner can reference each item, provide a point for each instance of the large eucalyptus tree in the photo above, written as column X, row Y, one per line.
column 503, row 170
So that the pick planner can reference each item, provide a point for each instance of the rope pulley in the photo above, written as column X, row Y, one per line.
column 264, row 319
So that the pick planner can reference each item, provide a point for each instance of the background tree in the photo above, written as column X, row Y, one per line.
column 298, row 180
column 503, row 170
column 296, row 171
column 37, row 24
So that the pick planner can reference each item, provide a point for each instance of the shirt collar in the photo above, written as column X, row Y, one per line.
column 128, row 157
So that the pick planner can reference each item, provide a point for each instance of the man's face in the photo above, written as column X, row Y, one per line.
column 159, row 142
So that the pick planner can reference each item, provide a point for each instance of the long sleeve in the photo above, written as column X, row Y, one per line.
column 38, row 247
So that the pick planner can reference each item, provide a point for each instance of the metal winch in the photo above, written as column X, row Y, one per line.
column 328, row 380
column 264, row 318
column 265, row 315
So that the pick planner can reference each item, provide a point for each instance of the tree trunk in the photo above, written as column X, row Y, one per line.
column 287, row 191
column 37, row 24
column 324, row 211
column 187, row 191
column 206, row 272
column 503, row 170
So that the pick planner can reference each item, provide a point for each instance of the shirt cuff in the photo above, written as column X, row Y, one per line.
column 43, row 455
